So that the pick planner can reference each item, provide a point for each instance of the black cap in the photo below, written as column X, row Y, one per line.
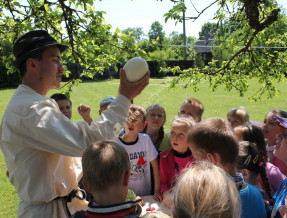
column 32, row 42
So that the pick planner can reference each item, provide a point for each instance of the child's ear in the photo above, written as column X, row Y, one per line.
column 126, row 178
column 214, row 158
column 245, row 174
column 100, row 112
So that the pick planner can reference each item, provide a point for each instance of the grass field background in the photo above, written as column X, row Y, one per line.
column 91, row 93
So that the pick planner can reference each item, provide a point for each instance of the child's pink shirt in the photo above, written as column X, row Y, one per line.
column 171, row 165
column 275, row 161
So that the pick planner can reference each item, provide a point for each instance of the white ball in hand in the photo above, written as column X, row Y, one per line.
column 135, row 69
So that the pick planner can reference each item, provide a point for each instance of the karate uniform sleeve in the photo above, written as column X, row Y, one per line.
column 44, row 127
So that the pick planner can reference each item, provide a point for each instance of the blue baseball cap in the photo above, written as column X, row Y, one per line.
column 107, row 100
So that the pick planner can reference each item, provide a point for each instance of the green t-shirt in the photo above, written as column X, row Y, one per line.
column 165, row 143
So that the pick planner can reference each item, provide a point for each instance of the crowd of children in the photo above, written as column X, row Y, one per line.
column 201, row 168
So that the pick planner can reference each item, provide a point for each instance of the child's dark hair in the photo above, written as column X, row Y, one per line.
column 250, row 158
column 215, row 135
column 60, row 96
column 255, row 135
column 161, row 129
column 279, row 113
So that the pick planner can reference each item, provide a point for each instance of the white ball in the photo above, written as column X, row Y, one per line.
column 135, row 69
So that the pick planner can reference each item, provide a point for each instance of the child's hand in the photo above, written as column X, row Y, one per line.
column 168, row 203
column 168, row 199
column 84, row 110
column 157, row 196
column 142, row 202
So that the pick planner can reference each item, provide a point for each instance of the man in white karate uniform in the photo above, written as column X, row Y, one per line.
column 39, row 142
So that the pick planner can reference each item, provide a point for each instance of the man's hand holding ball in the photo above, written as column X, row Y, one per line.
column 134, row 77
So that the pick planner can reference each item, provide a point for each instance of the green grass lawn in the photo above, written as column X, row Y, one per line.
column 91, row 93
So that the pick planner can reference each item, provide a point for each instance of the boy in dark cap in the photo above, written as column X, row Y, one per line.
column 39, row 143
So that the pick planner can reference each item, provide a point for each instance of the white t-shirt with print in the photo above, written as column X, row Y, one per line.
column 141, row 153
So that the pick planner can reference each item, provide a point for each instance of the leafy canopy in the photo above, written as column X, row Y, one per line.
column 253, row 47
column 76, row 23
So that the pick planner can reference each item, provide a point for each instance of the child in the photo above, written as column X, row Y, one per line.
column 175, row 159
column 270, row 130
column 198, row 194
column 214, row 140
column 190, row 107
column 278, row 202
column 255, row 136
column 154, row 128
column 84, row 110
column 253, row 167
column 155, row 121
column 105, row 103
column 64, row 103
column 142, row 153
column 106, row 172
column 252, row 134
column 193, row 108
column 237, row 117
column 65, row 106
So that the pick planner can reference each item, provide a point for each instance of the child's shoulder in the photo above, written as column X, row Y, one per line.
column 166, row 153
column 143, row 136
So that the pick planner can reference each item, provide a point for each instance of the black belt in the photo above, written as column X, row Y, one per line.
column 75, row 193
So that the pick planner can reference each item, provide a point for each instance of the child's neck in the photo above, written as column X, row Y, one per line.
column 150, row 131
column 129, row 138
column 182, row 154
column 230, row 169
column 109, row 197
column 270, row 142
column 153, row 134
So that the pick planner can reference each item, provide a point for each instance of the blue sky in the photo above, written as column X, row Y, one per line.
column 142, row 13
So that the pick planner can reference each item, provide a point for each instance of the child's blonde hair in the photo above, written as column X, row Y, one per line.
column 136, row 110
column 187, row 120
column 240, row 114
column 205, row 190
column 196, row 103
column 155, row 214
column 104, row 163
column 215, row 135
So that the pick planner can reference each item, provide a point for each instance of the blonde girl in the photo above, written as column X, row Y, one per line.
column 205, row 190
column 176, row 158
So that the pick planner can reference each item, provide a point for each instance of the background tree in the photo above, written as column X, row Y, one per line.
column 208, row 30
column 76, row 23
column 156, row 33
column 136, row 32
column 243, row 62
column 176, row 42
